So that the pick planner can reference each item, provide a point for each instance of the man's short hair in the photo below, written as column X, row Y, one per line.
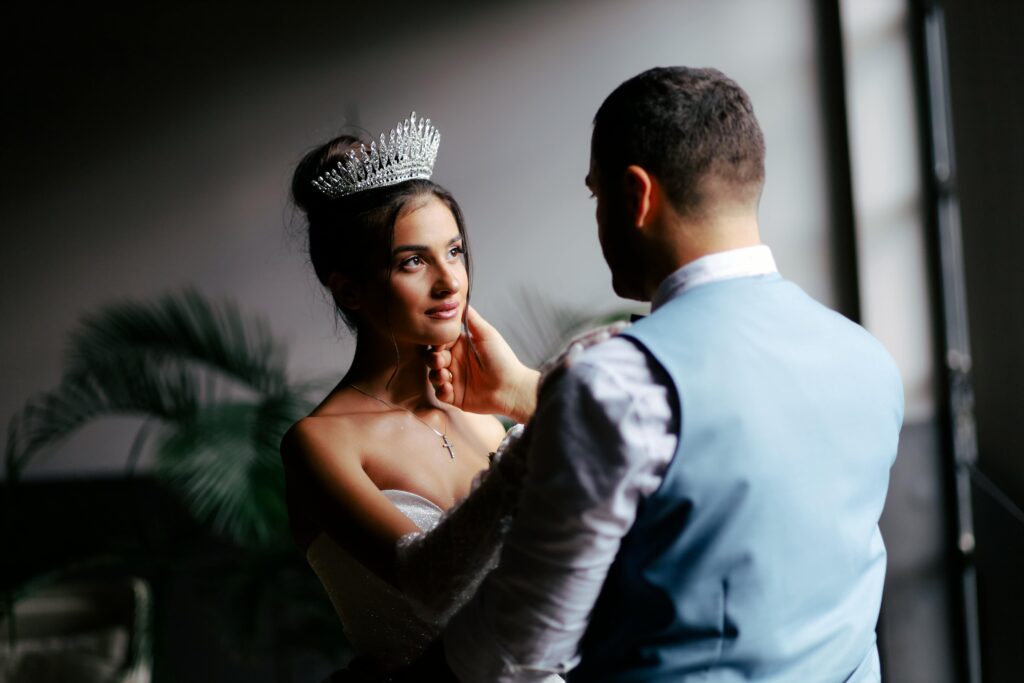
column 681, row 125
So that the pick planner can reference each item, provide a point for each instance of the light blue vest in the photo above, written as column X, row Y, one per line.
column 759, row 557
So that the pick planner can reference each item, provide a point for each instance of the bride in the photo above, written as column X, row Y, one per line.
column 380, row 474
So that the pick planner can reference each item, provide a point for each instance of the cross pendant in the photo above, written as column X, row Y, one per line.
column 449, row 445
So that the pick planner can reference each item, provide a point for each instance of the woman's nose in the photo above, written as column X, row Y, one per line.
column 447, row 280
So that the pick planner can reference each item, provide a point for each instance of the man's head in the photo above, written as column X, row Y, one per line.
column 684, row 144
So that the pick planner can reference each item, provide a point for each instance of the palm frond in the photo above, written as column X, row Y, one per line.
column 131, row 386
column 224, row 464
column 167, row 361
column 186, row 327
column 275, row 414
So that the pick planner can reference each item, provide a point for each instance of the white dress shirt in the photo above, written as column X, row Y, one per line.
column 601, row 441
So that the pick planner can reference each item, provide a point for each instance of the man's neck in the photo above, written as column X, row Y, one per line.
column 689, row 240
column 723, row 265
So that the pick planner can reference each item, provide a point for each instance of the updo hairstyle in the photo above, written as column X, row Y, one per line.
column 354, row 235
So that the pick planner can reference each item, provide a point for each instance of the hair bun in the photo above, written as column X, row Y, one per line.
column 317, row 162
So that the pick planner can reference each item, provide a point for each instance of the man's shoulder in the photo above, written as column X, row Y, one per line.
column 620, row 359
column 617, row 369
column 593, row 352
column 620, row 351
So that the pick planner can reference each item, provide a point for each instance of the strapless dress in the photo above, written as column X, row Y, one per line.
column 440, row 567
column 378, row 620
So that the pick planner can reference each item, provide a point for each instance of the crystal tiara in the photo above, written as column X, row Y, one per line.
column 408, row 154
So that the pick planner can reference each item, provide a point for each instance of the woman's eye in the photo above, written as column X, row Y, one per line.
column 455, row 251
column 411, row 262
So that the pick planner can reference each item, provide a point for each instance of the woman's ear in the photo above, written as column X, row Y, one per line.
column 346, row 291
column 639, row 190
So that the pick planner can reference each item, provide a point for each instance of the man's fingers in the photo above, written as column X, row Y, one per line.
column 437, row 359
column 445, row 392
column 427, row 353
column 479, row 328
column 441, row 376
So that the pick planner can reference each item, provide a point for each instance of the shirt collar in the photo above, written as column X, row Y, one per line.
column 722, row 265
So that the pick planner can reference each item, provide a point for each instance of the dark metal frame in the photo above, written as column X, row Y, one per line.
column 832, row 83
column 951, row 333
column 946, row 271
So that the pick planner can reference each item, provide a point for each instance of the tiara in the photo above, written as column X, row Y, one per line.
column 408, row 154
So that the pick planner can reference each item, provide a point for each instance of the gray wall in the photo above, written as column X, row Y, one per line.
column 163, row 158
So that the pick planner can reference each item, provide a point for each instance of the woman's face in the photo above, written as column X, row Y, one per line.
column 427, row 291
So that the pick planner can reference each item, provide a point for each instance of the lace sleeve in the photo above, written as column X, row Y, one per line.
column 440, row 569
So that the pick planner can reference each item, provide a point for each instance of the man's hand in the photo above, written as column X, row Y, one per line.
column 484, row 376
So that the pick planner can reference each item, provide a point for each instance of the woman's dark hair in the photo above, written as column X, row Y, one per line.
column 354, row 235
column 682, row 125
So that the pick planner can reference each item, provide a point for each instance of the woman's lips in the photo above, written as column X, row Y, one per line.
column 445, row 311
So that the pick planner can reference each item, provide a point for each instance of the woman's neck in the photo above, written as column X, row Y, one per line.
column 394, row 373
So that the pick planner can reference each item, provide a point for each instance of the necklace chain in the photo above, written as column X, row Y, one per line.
column 445, row 443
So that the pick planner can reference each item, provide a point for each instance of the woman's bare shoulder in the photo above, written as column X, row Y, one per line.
column 318, row 435
column 330, row 489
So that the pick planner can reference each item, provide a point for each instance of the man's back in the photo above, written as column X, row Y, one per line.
column 759, row 557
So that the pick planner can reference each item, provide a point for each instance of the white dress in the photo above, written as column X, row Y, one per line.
column 379, row 621
column 438, row 569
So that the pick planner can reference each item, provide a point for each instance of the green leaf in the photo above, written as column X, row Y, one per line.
column 132, row 386
column 211, row 384
column 224, row 464
column 184, row 327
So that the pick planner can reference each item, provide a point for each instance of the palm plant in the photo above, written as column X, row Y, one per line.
column 212, row 389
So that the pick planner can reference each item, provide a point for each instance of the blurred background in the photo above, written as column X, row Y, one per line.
column 163, row 325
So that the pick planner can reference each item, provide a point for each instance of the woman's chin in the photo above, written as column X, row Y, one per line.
column 444, row 334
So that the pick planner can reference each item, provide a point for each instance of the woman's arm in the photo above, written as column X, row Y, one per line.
column 339, row 497
column 438, row 569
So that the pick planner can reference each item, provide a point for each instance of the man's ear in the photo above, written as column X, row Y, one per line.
column 346, row 291
column 639, row 189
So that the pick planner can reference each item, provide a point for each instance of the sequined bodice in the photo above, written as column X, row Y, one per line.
column 377, row 618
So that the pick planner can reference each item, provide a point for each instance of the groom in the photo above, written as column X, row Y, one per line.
column 703, row 490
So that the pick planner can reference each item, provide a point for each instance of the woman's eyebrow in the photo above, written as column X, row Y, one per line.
column 421, row 247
